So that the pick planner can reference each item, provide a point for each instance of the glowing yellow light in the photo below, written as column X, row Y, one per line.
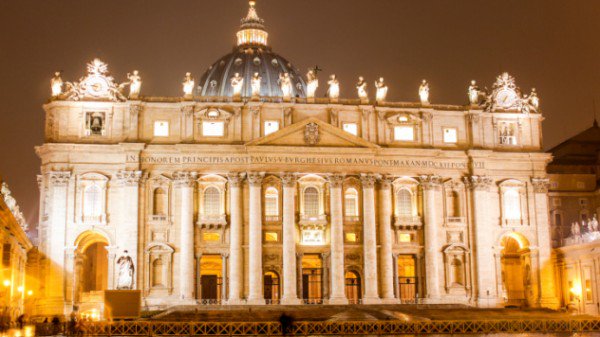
column 29, row 292
column 576, row 289
column 20, row 289
column 6, row 283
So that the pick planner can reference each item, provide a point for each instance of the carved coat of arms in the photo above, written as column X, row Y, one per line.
column 311, row 133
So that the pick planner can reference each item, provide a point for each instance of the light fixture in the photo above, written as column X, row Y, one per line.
column 6, row 283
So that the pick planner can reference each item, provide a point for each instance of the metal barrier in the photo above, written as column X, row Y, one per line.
column 156, row 328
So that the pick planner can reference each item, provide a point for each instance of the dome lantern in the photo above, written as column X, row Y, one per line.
column 252, row 31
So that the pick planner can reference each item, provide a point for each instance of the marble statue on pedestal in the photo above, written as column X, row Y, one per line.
column 424, row 92
column 312, row 83
column 255, row 84
column 126, row 271
column 361, row 89
column 382, row 90
column 286, row 85
column 237, row 82
column 135, row 84
column 534, row 100
column 56, row 84
column 188, row 85
column 473, row 93
column 333, row 92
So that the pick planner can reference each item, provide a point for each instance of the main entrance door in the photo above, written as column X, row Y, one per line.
column 312, row 279
column 407, row 281
column 209, row 287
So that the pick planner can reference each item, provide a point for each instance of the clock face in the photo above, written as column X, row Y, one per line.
column 506, row 98
column 96, row 86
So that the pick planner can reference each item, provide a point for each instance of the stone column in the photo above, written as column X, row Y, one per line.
column 484, row 256
column 224, row 278
column 396, row 284
column 236, row 258
column 371, row 294
column 198, row 276
column 299, row 257
column 185, row 182
column 127, row 230
column 433, row 268
column 290, row 294
column 547, row 285
column 325, row 275
column 255, row 269
column 385, row 235
column 338, row 293
column 53, row 301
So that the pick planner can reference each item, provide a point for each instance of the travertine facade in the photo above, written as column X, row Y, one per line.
column 264, row 194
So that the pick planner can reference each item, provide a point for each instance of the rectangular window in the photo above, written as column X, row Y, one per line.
column 404, row 238
column 213, row 129
column 404, row 133
column 271, row 237
column 350, row 128
column 161, row 129
column 271, row 126
column 450, row 135
column 211, row 237
column 6, row 254
column 351, row 237
column 557, row 219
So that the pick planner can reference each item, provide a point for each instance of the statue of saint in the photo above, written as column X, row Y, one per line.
column 237, row 82
column 188, row 85
column 135, row 84
column 361, row 89
column 10, row 202
column 381, row 90
column 333, row 92
column 255, row 84
column 473, row 93
column 126, row 270
column 286, row 85
column 534, row 100
column 312, row 83
column 424, row 92
column 56, row 84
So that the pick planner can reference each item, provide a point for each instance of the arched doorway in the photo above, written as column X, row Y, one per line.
column 312, row 279
column 516, row 269
column 271, row 287
column 91, row 263
column 353, row 290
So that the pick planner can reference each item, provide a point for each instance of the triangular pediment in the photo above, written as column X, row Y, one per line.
column 312, row 132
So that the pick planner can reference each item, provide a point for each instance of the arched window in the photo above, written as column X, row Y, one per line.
column 160, row 202
column 271, row 202
column 157, row 273
column 311, row 201
column 404, row 202
column 512, row 204
column 92, row 201
column 351, row 202
column 212, row 201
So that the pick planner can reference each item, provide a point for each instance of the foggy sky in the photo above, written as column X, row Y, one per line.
column 552, row 45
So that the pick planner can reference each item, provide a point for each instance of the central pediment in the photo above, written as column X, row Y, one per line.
column 314, row 133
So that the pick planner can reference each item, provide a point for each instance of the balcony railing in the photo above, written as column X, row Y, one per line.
column 408, row 221
column 272, row 301
column 313, row 219
column 94, row 218
column 455, row 220
column 209, row 301
column 312, row 301
column 205, row 220
column 158, row 218
column 351, row 218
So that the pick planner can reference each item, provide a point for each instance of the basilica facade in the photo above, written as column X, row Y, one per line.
column 251, row 190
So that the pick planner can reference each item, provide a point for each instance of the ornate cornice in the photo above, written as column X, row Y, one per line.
column 255, row 178
column 430, row 181
column 236, row 179
column 385, row 182
column 185, row 178
column 129, row 178
column 288, row 179
column 540, row 185
column 335, row 180
column 59, row 178
column 478, row 183
column 368, row 180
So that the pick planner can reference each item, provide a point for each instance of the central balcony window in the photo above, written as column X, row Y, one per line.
column 312, row 235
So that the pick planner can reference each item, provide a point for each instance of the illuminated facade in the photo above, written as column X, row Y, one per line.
column 249, row 190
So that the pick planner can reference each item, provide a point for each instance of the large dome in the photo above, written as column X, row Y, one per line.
column 251, row 55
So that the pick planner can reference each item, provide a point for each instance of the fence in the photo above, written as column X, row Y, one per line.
column 156, row 328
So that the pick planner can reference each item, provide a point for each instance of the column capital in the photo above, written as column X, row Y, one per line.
column 430, row 181
column 288, row 179
column 236, row 178
column 368, row 180
column 540, row 185
column 59, row 178
column 128, row 177
column 336, row 180
column 385, row 182
column 255, row 178
column 185, row 178
column 224, row 255
column 478, row 183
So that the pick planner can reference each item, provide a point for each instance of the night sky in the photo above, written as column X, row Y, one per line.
column 553, row 45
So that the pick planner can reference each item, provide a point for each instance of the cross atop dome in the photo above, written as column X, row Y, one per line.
column 252, row 31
